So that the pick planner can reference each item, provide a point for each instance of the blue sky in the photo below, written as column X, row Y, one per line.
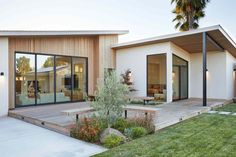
column 143, row 18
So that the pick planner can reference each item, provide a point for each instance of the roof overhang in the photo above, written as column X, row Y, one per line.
column 191, row 41
column 23, row 33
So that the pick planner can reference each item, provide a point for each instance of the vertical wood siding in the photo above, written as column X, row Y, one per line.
column 96, row 48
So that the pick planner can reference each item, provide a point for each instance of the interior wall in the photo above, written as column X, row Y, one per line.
column 4, row 79
column 157, row 69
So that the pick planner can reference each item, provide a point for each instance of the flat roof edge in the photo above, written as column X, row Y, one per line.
column 7, row 33
column 168, row 36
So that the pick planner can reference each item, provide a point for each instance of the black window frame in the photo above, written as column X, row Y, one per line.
column 54, row 68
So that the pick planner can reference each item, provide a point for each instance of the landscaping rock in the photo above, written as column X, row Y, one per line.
column 224, row 113
column 110, row 131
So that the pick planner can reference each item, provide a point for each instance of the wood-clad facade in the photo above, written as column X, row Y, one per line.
column 96, row 48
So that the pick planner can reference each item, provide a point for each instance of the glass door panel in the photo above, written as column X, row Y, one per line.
column 176, row 83
column 63, row 79
column 180, row 78
column 25, row 79
column 156, row 76
column 184, row 82
column 45, row 79
column 79, row 72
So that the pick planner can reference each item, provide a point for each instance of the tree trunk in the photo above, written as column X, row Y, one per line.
column 190, row 21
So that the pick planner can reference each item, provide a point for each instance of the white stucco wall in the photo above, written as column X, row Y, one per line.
column 216, row 75
column 4, row 79
column 230, row 76
column 135, row 59
column 220, row 65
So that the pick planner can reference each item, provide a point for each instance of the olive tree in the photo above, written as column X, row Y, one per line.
column 110, row 97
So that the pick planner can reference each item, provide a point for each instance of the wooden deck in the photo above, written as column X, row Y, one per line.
column 49, row 116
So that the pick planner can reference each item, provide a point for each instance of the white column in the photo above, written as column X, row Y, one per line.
column 4, row 79
column 169, row 76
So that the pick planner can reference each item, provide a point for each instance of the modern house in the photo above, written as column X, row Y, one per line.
column 194, row 64
column 63, row 66
column 49, row 67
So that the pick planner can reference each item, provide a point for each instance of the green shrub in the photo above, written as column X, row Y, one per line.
column 113, row 141
column 110, row 98
column 136, row 132
column 120, row 124
column 145, row 122
column 87, row 129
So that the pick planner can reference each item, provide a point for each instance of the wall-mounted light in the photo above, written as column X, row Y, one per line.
column 2, row 74
column 206, row 70
column 234, row 69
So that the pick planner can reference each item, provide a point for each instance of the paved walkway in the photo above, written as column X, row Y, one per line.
column 20, row 139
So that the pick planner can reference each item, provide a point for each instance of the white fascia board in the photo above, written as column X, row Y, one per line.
column 7, row 33
column 201, row 30
column 221, row 29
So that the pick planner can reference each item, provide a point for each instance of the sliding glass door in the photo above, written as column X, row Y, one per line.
column 63, row 79
column 45, row 79
column 79, row 78
column 48, row 79
column 25, row 79
column 180, row 78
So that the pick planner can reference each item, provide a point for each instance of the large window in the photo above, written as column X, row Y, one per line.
column 180, row 78
column 47, row 79
column 25, row 79
column 156, row 76
column 79, row 78
column 63, row 79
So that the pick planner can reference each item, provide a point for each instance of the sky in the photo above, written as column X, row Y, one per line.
column 143, row 18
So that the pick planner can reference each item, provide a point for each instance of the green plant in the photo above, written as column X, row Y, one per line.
column 146, row 122
column 120, row 124
column 110, row 98
column 128, row 133
column 137, row 132
column 188, row 13
column 113, row 141
column 88, row 130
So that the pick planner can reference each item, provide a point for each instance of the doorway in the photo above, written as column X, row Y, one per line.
column 180, row 78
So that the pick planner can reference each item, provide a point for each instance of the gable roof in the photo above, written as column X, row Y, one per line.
column 9, row 33
column 191, row 41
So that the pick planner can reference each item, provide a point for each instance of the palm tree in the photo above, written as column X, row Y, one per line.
column 188, row 13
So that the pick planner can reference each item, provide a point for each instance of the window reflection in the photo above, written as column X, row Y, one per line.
column 63, row 79
column 25, row 79
column 45, row 79
column 56, row 78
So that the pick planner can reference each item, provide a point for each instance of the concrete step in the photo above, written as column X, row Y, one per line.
column 47, row 125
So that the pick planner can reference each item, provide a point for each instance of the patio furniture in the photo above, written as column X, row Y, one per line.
column 91, row 97
column 146, row 110
column 77, row 112
column 146, row 99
